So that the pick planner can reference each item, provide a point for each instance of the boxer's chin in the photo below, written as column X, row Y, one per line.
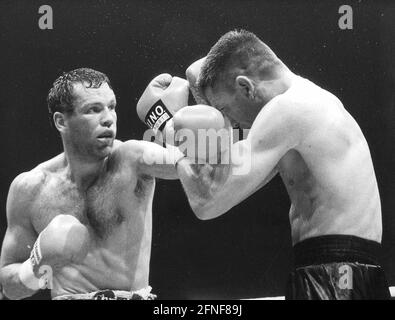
column 105, row 150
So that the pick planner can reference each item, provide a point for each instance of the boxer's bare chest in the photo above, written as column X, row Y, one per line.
column 114, row 199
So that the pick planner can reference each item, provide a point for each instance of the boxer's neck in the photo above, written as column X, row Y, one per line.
column 83, row 171
column 274, row 87
column 266, row 90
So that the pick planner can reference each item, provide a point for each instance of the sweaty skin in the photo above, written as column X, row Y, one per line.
column 106, row 184
column 117, row 210
column 306, row 135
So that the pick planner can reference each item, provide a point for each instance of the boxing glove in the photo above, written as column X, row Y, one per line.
column 65, row 240
column 201, row 133
column 163, row 97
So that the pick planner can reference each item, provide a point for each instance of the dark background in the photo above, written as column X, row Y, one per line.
column 247, row 252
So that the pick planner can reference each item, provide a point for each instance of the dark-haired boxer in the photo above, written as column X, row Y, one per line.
column 80, row 223
column 304, row 133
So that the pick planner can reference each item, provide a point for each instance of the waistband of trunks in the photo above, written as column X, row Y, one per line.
column 336, row 248
column 143, row 294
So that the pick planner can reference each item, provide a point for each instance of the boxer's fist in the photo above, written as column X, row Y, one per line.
column 63, row 241
column 163, row 97
column 198, row 117
column 192, row 75
column 201, row 133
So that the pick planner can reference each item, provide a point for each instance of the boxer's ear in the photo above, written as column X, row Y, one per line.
column 59, row 121
column 245, row 87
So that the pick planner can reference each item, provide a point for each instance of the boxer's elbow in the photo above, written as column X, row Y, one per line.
column 16, row 292
column 205, row 210
column 11, row 294
column 201, row 213
column 12, row 288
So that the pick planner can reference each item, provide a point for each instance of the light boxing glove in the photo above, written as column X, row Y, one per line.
column 201, row 133
column 65, row 240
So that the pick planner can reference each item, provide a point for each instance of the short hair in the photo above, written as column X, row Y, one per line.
column 61, row 96
column 238, row 48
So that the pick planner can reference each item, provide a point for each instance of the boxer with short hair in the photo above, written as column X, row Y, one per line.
column 304, row 133
column 80, row 224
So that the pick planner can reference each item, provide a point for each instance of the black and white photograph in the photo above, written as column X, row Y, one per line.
column 197, row 151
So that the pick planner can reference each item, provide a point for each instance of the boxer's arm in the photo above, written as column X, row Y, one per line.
column 213, row 190
column 152, row 159
column 192, row 75
column 18, row 241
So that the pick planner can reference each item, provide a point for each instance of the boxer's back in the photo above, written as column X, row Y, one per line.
column 117, row 210
column 329, row 176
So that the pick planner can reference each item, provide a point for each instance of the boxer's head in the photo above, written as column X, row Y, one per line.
column 81, row 104
column 238, row 74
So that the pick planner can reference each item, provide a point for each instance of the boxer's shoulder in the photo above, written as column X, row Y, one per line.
column 310, row 96
column 23, row 190
column 125, row 149
column 282, row 109
column 127, row 154
column 29, row 182
column 306, row 104
column 122, row 151
column 132, row 150
column 290, row 112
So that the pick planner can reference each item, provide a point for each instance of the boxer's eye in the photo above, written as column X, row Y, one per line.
column 94, row 110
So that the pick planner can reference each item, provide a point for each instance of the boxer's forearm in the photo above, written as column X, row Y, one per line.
column 159, row 163
column 13, row 288
column 201, row 183
column 196, row 186
column 151, row 159
column 214, row 190
column 192, row 75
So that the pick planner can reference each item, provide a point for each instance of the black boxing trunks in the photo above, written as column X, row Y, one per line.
column 337, row 267
column 143, row 294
